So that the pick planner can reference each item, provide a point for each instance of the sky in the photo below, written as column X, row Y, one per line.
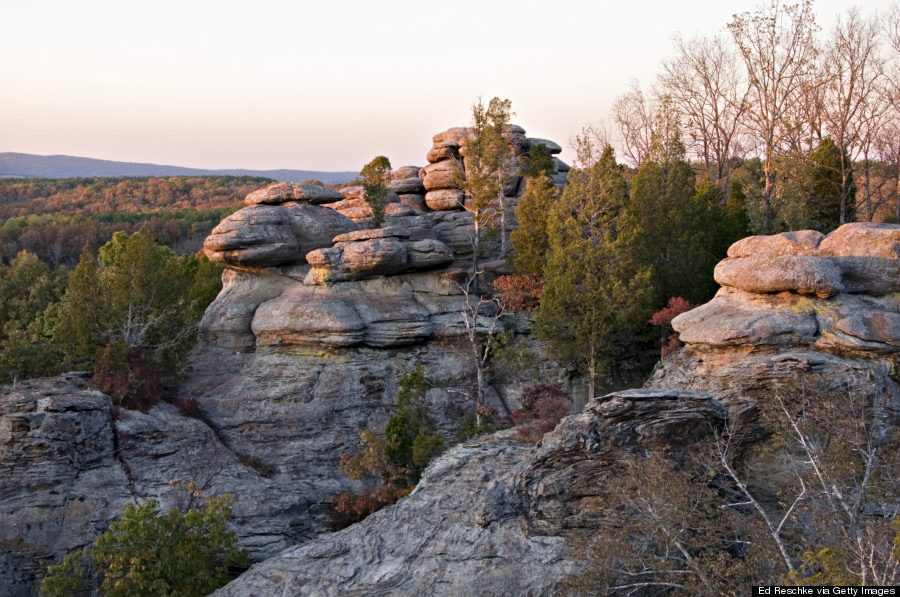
column 324, row 85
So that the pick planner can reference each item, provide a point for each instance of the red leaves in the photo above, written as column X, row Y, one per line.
column 676, row 307
column 543, row 407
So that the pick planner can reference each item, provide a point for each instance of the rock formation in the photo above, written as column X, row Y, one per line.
column 496, row 517
column 492, row 516
column 318, row 319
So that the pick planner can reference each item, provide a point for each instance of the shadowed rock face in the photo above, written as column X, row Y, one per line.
column 492, row 516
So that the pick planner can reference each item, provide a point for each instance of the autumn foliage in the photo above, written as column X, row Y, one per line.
column 663, row 318
column 519, row 293
column 543, row 407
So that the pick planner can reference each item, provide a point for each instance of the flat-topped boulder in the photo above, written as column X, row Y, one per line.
column 282, row 192
column 371, row 253
column 801, row 274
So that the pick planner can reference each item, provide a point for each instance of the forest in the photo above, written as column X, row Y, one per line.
column 55, row 218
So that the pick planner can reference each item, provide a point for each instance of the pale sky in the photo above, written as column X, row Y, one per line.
column 329, row 85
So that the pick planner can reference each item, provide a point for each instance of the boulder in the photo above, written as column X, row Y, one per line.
column 863, row 239
column 443, row 150
column 415, row 201
column 282, row 192
column 413, row 185
column 796, row 273
column 801, row 242
column 436, row 181
column 428, row 254
column 451, row 134
column 356, row 260
column 303, row 316
column 258, row 236
column 445, row 199
column 404, row 172
column 356, row 235
column 553, row 147
column 272, row 235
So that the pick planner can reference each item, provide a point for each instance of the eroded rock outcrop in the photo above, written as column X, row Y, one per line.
column 496, row 517
column 492, row 516
column 833, row 294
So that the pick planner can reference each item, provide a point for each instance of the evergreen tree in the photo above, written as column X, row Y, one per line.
column 28, row 288
column 529, row 241
column 670, row 229
column 830, row 199
column 137, row 296
column 151, row 553
column 376, row 176
column 595, row 299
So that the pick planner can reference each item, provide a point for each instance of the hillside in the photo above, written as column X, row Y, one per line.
column 27, row 165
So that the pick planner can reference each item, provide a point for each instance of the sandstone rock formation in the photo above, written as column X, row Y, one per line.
column 496, row 517
column 831, row 294
column 447, row 155
column 273, row 235
column 317, row 321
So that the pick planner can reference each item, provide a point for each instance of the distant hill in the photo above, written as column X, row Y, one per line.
column 64, row 166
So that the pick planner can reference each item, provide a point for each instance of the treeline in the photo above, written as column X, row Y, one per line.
column 807, row 121
column 55, row 218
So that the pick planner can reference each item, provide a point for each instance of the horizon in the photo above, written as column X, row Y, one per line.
column 217, row 87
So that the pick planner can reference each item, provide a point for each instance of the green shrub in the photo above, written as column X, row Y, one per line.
column 147, row 552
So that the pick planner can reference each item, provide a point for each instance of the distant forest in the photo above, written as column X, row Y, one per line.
column 55, row 218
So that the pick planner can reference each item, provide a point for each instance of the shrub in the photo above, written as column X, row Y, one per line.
column 543, row 407
column 669, row 339
column 396, row 460
column 147, row 552
column 519, row 293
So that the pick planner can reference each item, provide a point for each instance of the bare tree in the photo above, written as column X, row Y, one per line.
column 711, row 95
column 481, row 318
column 853, row 69
column 777, row 45
column 633, row 115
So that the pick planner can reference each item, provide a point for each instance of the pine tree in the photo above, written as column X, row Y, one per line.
column 529, row 241
column 669, row 227
column 595, row 298
column 376, row 177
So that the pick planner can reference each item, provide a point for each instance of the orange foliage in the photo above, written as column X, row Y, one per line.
column 519, row 293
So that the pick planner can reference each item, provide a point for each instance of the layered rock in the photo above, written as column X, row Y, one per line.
column 448, row 156
column 69, row 466
column 285, row 192
column 833, row 294
column 496, row 517
column 317, row 322
column 368, row 253
column 262, row 236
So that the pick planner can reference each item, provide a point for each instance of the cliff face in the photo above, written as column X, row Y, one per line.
column 493, row 517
